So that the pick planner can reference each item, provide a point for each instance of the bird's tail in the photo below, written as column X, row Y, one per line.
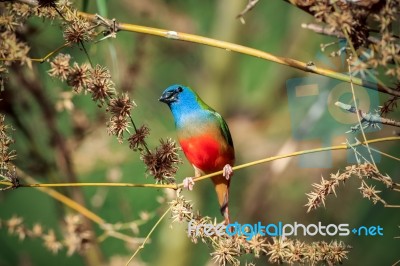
column 222, row 189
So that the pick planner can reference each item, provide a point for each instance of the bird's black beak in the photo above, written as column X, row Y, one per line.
column 168, row 97
column 163, row 99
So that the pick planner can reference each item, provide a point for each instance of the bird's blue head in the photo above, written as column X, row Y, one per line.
column 181, row 100
column 184, row 103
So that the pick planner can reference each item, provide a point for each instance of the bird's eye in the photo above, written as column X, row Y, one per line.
column 180, row 89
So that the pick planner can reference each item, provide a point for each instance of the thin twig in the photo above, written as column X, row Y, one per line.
column 148, row 235
column 41, row 60
column 99, row 185
column 120, row 236
column 176, row 186
column 322, row 30
column 372, row 118
column 86, row 53
column 385, row 154
column 332, row 148
column 355, row 104
column 136, row 131
column 250, row 5
column 79, row 208
column 64, row 199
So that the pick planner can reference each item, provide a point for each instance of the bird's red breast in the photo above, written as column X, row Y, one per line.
column 206, row 152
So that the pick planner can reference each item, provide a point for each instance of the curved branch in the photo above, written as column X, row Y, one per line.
column 177, row 186
column 273, row 158
column 64, row 199
column 307, row 67
column 174, row 35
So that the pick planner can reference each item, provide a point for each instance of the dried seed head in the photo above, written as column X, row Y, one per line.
column 46, row 11
column 78, row 77
column 258, row 245
column 11, row 47
column 226, row 251
column 162, row 163
column 121, row 106
column 20, row 11
column 8, row 22
column 77, row 237
column 51, row 242
column 78, row 29
column 7, row 155
column 100, row 84
column 13, row 223
column 277, row 250
column 137, row 140
column 181, row 209
column 60, row 66
column 117, row 126
column 37, row 230
column 64, row 6
column 370, row 192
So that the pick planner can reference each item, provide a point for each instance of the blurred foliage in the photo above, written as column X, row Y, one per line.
column 250, row 93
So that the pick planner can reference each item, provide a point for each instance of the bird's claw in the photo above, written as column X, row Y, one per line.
column 227, row 172
column 188, row 183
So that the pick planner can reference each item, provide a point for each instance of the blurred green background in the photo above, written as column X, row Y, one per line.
column 251, row 95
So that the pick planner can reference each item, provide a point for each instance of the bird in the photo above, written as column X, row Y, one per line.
column 205, row 139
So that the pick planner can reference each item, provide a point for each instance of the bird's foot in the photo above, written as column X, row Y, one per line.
column 188, row 183
column 227, row 172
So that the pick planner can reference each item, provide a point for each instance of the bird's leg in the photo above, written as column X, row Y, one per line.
column 227, row 171
column 188, row 182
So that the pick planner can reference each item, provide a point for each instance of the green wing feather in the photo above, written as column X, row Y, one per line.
column 222, row 124
column 224, row 129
